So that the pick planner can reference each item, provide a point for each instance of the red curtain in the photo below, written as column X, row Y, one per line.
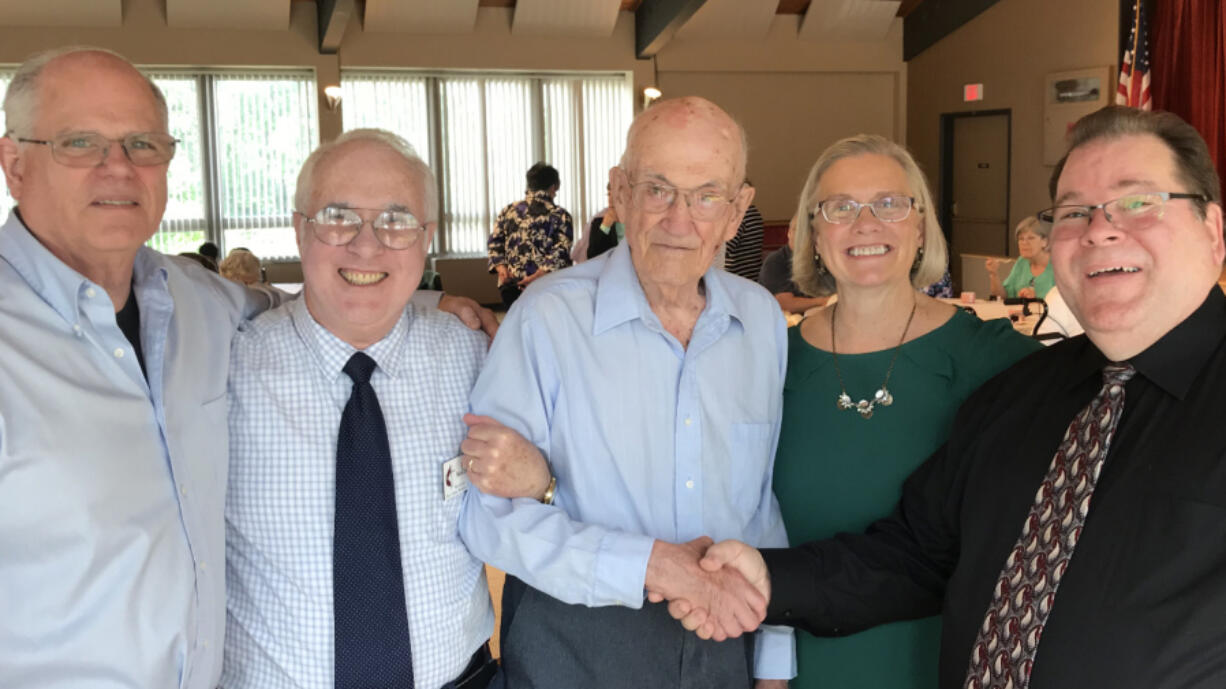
column 1189, row 67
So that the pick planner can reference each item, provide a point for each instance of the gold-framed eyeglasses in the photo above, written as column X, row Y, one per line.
column 1131, row 211
column 338, row 225
column 842, row 210
column 89, row 149
column 705, row 203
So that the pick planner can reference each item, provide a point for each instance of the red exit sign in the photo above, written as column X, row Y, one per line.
column 972, row 92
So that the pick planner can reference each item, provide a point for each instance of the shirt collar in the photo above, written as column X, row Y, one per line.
column 56, row 283
column 541, row 195
column 1175, row 361
column 620, row 297
column 331, row 353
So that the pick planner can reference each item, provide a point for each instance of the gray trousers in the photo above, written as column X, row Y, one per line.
column 547, row 644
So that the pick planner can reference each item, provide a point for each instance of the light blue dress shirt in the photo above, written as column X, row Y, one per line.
column 287, row 393
column 648, row 439
column 111, row 487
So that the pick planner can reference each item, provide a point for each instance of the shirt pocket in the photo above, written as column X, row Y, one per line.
column 446, row 511
column 750, row 456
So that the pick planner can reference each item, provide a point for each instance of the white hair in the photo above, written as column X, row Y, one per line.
column 21, row 99
column 306, row 177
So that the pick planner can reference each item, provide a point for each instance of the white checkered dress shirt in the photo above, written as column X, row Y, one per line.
column 287, row 393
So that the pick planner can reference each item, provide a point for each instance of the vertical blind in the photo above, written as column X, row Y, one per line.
column 481, row 133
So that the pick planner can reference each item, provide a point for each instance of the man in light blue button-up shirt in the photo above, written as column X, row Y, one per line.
column 653, row 385
column 113, row 363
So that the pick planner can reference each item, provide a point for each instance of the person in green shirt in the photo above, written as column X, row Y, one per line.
column 873, row 382
column 1032, row 275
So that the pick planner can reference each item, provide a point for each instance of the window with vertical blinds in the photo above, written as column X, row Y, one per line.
column 481, row 133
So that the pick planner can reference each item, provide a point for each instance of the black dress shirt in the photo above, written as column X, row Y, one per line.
column 1143, row 604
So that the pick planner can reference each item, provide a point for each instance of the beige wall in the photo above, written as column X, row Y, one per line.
column 1010, row 49
column 793, row 97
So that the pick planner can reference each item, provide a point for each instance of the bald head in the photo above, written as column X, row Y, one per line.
column 21, row 101
column 695, row 116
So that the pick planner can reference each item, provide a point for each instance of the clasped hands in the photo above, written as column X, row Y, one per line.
column 717, row 590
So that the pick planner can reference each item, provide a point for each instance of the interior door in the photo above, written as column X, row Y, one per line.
column 980, row 193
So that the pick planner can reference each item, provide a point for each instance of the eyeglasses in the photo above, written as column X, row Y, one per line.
column 337, row 226
column 89, row 149
column 841, row 211
column 1129, row 212
column 704, row 203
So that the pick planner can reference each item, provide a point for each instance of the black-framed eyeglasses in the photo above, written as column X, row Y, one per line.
column 337, row 226
column 1126, row 212
column 704, row 203
column 841, row 211
column 89, row 149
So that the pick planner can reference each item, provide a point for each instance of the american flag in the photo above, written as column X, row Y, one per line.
column 1134, row 66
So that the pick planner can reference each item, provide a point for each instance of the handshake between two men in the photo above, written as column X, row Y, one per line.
column 719, row 591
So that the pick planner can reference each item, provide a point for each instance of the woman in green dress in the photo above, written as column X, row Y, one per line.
column 873, row 382
column 1031, row 275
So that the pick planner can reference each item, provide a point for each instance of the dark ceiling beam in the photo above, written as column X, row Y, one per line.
column 932, row 20
column 333, row 17
column 655, row 22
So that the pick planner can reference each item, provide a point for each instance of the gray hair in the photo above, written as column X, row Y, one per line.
column 1032, row 225
column 643, row 118
column 931, row 266
column 21, row 99
column 382, row 137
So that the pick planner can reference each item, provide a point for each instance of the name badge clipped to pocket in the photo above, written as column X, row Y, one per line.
column 455, row 479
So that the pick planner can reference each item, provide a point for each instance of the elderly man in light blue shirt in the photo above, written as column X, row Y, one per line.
column 113, row 363
column 652, row 383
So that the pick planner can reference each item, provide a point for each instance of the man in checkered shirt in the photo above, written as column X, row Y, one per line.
column 288, row 390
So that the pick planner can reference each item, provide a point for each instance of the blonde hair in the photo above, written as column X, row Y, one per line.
column 240, row 266
column 931, row 266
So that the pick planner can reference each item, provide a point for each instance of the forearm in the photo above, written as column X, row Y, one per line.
column 847, row 584
column 791, row 303
column 540, row 544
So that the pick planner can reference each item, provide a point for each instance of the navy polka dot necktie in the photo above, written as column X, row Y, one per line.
column 1025, row 593
column 371, row 622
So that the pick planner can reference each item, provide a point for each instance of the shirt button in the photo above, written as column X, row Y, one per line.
column 688, row 421
column 118, row 352
column 89, row 292
column 689, row 484
column 183, row 491
column 203, row 567
column 76, row 328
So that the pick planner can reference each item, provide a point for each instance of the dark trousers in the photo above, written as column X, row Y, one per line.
column 547, row 644
column 509, row 291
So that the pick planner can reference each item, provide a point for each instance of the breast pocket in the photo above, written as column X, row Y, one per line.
column 751, row 456
column 446, row 509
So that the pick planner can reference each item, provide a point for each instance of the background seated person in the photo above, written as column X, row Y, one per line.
column 776, row 276
column 1031, row 275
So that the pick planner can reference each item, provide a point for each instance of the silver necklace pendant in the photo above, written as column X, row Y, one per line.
column 883, row 397
column 844, row 402
column 865, row 408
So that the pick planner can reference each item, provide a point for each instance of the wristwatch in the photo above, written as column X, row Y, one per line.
column 547, row 498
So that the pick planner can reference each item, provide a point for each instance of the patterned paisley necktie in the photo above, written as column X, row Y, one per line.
column 1008, row 639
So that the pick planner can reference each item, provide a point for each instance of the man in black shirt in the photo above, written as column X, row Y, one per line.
column 1137, row 248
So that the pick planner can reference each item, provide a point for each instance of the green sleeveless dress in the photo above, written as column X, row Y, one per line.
column 836, row 471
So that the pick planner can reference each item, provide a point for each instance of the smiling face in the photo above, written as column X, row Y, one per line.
column 1129, row 287
column 86, row 214
column 866, row 253
column 686, row 144
column 1030, row 245
column 358, row 291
